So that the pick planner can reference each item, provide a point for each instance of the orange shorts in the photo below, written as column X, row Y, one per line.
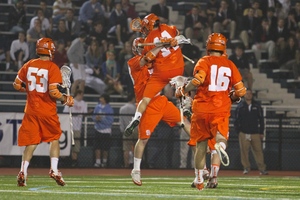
column 158, row 80
column 36, row 129
column 158, row 109
column 204, row 126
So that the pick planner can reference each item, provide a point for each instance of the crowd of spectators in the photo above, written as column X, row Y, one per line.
column 103, row 26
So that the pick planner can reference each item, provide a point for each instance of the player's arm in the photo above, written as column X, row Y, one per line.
column 197, row 80
column 238, row 92
column 55, row 92
column 150, row 55
column 19, row 85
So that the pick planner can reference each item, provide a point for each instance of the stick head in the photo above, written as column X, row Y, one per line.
column 135, row 24
column 182, row 40
column 178, row 81
column 66, row 75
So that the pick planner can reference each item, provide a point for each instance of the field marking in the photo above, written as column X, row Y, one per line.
column 181, row 196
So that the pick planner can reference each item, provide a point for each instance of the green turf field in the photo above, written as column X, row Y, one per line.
column 120, row 188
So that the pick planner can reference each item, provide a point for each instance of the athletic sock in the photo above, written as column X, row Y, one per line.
column 54, row 163
column 214, row 170
column 137, row 163
column 24, row 166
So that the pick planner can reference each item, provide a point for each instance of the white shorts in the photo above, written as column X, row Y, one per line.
column 79, row 73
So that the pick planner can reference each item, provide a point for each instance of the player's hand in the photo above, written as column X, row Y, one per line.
column 233, row 98
column 179, row 92
column 68, row 100
column 172, row 41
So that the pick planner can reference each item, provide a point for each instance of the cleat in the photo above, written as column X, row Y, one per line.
column 222, row 154
column 263, row 172
column 136, row 177
column 199, row 186
column 21, row 179
column 131, row 126
column 205, row 174
column 246, row 171
column 212, row 182
column 57, row 177
column 193, row 185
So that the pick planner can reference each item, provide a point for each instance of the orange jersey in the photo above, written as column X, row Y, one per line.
column 139, row 76
column 221, row 75
column 167, row 58
column 38, row 75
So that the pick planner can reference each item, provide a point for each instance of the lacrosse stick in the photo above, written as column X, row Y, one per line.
column 179, row 81
column 66, row 74
column 189, row 59
column 180, row 40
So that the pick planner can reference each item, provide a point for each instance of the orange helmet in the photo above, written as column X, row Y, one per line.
column 136, row 49
column 45, row 46
column 216, row 42
column 148, row 23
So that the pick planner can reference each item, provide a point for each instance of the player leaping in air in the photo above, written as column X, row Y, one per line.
column 167, row 63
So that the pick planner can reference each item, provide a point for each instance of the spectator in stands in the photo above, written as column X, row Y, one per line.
column 76, row 57
column 124, row 55
column 248, row 26
column 61, row 33
column 249, row 123
column 100, row 34
column 212, row 8
column 33, row 34
column 94, row 76
column 289, row 51
column 110, row 47
column 239, row 58
column 79, row 108
column 225, row 20
column 296, row 10
column 19, row 51
column 196, row 25
column 257, row 11
column 90, row 11
column 291, row 23
column 297, row 38
column 60, row 55
column 107, row 6
column 60, row 9
column 72, row 23
column 5, row 53
column 17, row 17
column 281, row 34
column 45, row 24
column 265, row 5
column 118, row 25
column 271, row 18
column 47, row 12
column 103, row 118
column 263, row 40
column 126, row 112
column 294, row 65
column 111, row 74
column 161, row 10
column 129, row 9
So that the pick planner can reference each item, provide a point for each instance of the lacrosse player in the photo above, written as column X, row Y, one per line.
column 167, row 63
column 158, row 109
column 41, row 79
column 214, row 76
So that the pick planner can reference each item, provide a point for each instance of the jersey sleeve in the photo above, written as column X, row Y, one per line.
column 236, row 75
column 55, row 75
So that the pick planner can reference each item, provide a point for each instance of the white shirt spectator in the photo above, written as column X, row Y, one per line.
column 45, row 23
column 60, row 7
column 17, row 45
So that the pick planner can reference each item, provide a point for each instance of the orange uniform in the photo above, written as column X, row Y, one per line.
column 211, row 105
column 40, row 110
column 159, row 107
column 168, row 62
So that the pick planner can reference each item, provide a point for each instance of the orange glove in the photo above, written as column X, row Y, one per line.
column 179, row 92
column 173, row 42
column 68, row 100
